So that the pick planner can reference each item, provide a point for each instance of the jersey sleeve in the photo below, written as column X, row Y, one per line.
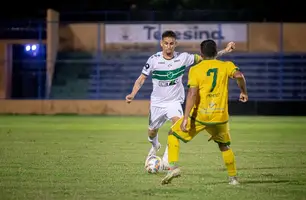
column 192, row 59
column 192, row 79
column 147, row 68
column 231, row 69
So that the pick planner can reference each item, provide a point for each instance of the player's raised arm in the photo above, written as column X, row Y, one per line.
column 140, row 81
column 195, row 58
column 229, row 48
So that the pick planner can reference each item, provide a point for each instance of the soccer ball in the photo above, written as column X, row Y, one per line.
column 153, row 164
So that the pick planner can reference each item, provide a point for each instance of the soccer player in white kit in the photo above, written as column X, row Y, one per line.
column 167, row 68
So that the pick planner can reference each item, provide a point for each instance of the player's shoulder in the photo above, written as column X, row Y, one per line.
column 155, row 56
column 226, row 62
column 183, row 54
column 195, row 67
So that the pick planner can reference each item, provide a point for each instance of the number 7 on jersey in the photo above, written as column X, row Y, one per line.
column 213, row 71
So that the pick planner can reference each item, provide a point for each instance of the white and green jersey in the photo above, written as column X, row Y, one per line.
column 167, row 77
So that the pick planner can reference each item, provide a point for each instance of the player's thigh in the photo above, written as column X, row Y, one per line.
column 157, row 117
column 220, row 133
column 174, row 110
column 193, row 128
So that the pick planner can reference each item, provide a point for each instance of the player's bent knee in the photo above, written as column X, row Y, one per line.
column 181, row 138
column 174, row 120
column 152, row 133
column 223, row 146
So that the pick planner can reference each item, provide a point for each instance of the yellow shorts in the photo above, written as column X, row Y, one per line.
column 219, row 132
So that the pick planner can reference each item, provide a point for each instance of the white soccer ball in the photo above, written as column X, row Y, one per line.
column 153, row 164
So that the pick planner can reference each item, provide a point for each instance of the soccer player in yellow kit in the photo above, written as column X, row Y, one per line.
column 207, row 109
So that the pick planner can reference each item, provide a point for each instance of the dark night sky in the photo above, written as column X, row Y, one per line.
column 271, row 10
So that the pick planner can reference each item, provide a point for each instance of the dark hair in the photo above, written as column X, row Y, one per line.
column 169, row 34
column 209, row 49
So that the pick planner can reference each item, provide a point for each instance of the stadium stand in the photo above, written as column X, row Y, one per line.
column 270, row 76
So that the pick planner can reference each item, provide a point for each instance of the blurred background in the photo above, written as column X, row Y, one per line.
column 84, row 57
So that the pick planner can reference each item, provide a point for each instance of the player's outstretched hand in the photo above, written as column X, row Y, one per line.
column 230, row 47
column 243, row 97
column 184, row 125
column 129, row 98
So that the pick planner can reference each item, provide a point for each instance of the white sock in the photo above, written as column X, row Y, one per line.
column 165, row 156
column 154, row 140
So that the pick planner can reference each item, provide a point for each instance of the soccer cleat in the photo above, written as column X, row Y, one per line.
column 172, row 173
column 233, row 180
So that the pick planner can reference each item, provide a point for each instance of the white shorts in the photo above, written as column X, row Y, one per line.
column 158, row 116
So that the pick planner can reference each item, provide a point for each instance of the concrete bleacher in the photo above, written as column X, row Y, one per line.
column 71, row 75
column 269, row 76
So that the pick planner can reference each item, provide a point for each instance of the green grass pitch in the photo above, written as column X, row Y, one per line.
column 85, row 157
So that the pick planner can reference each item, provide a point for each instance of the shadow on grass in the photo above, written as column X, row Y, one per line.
column 267, row 167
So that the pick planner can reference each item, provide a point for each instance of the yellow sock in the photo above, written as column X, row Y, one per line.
column 173, row 150
column 229, row 161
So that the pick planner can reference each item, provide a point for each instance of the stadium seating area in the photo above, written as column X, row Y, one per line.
column 79, row 75
column 71, row 75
